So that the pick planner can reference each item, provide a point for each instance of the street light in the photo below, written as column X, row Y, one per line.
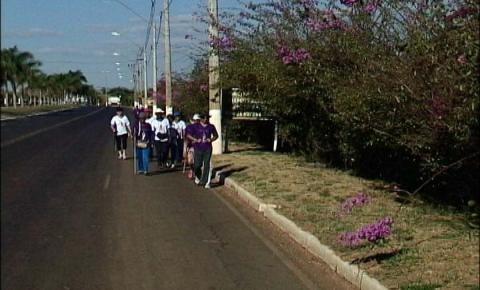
column 144, row 59
column 116, row 54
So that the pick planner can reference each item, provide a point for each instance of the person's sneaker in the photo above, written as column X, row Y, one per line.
column 207, row 186
column 172, row 166
column 119, row 156
column 124, row 157
column 197, row 181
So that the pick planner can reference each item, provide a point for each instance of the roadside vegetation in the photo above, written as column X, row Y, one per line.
column 386, row 89
column 23, row 83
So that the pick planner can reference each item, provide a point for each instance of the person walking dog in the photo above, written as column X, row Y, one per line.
column 121, row 129
column 143, row 142
column 202, row 135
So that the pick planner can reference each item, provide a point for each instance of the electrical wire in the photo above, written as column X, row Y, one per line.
column 130, row 9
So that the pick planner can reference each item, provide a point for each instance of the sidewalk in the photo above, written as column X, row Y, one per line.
column 422, row 251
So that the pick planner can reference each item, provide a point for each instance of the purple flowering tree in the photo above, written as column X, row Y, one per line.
column 372, row 85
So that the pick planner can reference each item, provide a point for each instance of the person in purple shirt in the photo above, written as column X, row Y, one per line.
column 202, row 135
column 144, row 140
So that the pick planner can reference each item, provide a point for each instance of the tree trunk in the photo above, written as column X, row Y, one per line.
column 6, row 94
column 41, row 97
column 22, row 101
column 14, row 89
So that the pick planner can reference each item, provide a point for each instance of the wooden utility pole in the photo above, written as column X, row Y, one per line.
column 145, row 88
column 213, row 76
column 154, row 73
column 168, row 58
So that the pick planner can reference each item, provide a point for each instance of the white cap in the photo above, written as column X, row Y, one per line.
column 158, row 110
column 196, row 117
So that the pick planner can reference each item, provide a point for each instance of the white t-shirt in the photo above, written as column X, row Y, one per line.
column 180, row 126
column 121, row 124
column 151, row 119
column 160, row 126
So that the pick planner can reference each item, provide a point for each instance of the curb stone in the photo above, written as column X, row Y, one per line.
column 351, row 273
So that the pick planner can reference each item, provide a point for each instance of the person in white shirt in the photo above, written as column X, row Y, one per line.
column 121, row 128
column 151, row 119
column 180, row 126
column 160, row 128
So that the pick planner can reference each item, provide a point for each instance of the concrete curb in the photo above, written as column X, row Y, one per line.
column 351, row 273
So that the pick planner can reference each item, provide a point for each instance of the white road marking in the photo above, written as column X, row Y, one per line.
column 107, row 182
column 34, row 133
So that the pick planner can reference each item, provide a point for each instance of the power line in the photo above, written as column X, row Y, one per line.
column 130, row 9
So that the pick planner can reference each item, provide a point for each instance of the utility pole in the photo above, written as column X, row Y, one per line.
column 145, row 93
column 154, row 51
column 168, row 59
column 214, row 96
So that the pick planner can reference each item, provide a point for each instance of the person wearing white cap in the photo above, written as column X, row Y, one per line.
column 161, row 136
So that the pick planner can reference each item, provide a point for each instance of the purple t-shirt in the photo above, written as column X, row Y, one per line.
column 198, row 131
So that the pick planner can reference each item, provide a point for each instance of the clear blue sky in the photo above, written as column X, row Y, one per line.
column 76, row 34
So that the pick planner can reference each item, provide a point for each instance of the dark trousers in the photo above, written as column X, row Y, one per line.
column 161, row 149
column 201, row 158
column 180, row 150
column 121, row 141
column 173, row 152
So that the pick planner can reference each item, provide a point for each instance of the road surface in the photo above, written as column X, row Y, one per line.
column 75, row 217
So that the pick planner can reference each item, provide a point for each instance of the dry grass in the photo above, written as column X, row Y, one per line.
column 436, row 246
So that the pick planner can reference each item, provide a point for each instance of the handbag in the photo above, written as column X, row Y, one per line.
column 142, row 145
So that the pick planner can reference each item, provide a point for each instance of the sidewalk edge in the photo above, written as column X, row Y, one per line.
column 351, row 273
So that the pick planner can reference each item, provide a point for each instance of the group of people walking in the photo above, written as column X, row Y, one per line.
column 170, row 138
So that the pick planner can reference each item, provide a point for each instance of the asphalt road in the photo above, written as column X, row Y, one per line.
column 75, row 217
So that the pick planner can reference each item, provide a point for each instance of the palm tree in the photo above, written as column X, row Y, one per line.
column 18, row 67
column 40, row 83
column 7, row 67
column 75, row 80
column 21, row 70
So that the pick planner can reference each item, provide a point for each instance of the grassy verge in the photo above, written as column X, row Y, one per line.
column 429, row 246
column 19, row 111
